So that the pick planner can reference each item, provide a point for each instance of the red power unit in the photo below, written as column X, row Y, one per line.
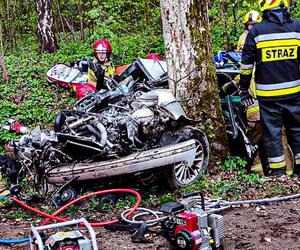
column 194, row 229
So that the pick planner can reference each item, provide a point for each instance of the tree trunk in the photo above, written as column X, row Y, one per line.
column 60, row 16
column 7, row 10
column 9, row 22
column 147, row 13
column 190, row 66
column 223, row 17
column 5, row 76
column 80, row 12
column 46, row 35
column 71, row 30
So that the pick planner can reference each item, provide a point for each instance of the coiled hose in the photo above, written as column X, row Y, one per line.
column 143, row 212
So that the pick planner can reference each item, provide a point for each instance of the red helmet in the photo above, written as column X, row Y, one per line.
column 154, row 56
column 102, row 45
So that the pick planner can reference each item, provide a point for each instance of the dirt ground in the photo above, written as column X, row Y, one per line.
column 275, row 226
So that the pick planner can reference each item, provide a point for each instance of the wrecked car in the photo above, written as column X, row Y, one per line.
column 133, row 127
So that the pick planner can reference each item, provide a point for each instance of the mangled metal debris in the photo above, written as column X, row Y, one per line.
column 129, row 128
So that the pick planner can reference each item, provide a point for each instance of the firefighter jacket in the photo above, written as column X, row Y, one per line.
column 108, row 68
column 273, row 48
column 242, row 40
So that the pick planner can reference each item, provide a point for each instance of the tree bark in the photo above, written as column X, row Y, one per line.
column 5, row 76
column 71, row 30
column 147, row 14
column 7, row 10
column 80, row 12
column 223, row 17
column 60, row 16
column 47, row 38
column 191, row 71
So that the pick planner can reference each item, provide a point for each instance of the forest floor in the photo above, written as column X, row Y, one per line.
column 275, row 226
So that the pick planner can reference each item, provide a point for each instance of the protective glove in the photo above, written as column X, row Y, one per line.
column 99, row 70
column 95, row 66
column 100, row 77
column 229, row 88
column 246, row 99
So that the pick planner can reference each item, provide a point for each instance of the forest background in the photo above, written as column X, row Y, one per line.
column 133, row 27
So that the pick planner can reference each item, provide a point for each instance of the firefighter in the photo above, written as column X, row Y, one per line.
column 250, row 19
column 272, row 46
column 101, row 66
column 254, row 129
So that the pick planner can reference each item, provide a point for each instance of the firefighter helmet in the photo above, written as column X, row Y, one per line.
column 252, row 17
column 273, row 4
column 102, row 49
column 102, row 45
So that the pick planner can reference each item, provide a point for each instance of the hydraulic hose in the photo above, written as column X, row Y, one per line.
column 13, row 241
column 211, row 206
column 216, row 206
column 143, row 212
column 3, row 197
column 54, row 216
column 261, row 201
column 63, row 208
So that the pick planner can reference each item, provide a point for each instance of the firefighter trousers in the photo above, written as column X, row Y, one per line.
column 274, row 116
column 255, row 134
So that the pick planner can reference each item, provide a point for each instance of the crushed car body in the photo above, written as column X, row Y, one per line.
column 133, row 126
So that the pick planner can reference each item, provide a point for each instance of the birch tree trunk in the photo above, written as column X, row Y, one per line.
column 5, row 76
column 191, row 71
column 46, row 35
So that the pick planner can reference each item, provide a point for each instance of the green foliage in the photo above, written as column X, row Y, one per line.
column 166, row 198
column 72, row 209
column 222, row 188
column 234, row 163
column 278, row 189
column 134, row 30
column 226, row 19
column 28, row 97
column 127, row 201
column 230, row 181
column 199, row 185
column 126, row 19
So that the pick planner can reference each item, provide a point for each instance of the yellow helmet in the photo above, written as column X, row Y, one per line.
column 252, row 17
column 271, row 4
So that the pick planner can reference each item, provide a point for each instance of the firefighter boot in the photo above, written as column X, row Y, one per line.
column 257, row 166
column 277, row 165
column 288, row 155
column 297, row 164
column 277, row 172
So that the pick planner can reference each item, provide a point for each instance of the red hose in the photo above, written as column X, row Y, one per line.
column 36, row 211
column 94, row 224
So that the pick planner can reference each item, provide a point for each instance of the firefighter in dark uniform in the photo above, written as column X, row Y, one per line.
column 272, row 47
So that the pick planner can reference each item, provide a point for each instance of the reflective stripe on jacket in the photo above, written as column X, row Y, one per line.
column 274, row 49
